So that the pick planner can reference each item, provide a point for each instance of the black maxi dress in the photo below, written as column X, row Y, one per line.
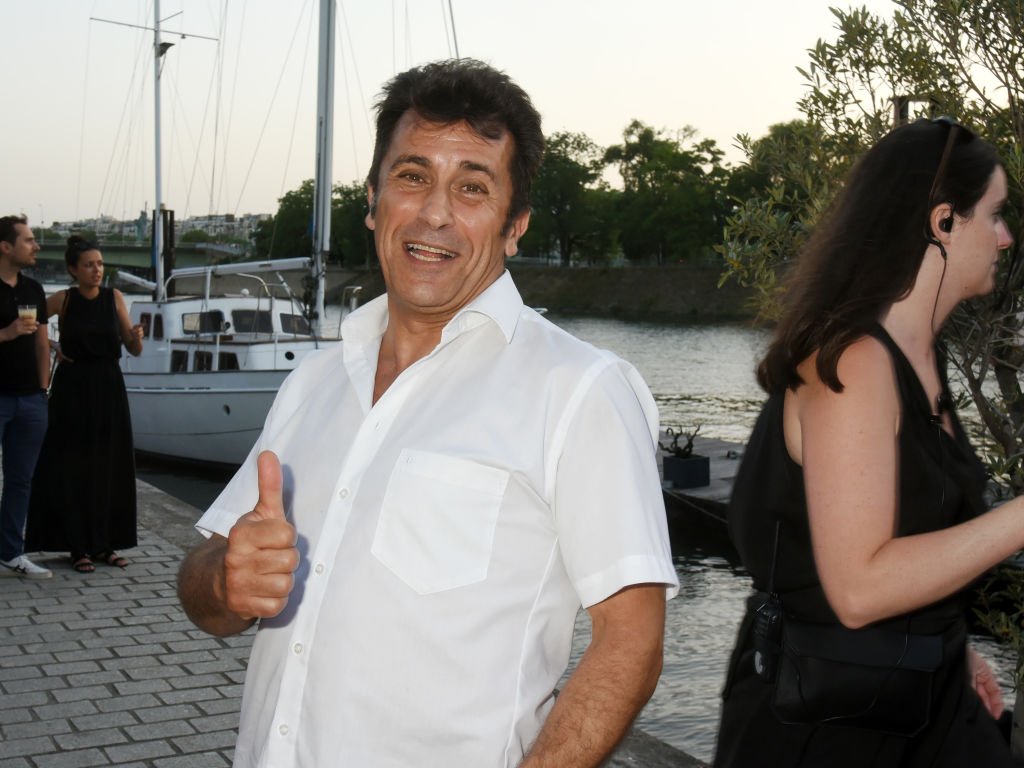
column 83, row 490
column 940, row 485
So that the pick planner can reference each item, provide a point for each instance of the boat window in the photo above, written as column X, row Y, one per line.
column 202, row 361
column 251, row 321
column 227, row 361
column 158, row 327
column 179, row 360
column 203, row 322
column 145, row 321
column 294, row 324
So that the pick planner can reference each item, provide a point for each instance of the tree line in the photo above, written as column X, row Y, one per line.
column 675, row 195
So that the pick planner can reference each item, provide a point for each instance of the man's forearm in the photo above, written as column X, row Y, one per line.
column 614, row 679
column 201, row 590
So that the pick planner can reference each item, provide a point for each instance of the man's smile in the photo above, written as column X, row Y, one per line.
column 422, row 252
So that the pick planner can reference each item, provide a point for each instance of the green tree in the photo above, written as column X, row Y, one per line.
column 195, row 236
column 672, row 205
column 289, row 232
column 567, row 216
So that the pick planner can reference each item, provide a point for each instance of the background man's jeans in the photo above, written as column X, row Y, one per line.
column 22, row 428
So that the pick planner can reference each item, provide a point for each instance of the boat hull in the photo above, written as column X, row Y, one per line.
column 209, row 417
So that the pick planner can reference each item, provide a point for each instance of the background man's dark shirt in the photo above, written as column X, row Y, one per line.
column 19, row 374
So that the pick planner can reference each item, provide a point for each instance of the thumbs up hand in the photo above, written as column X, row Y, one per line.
column 261, row 555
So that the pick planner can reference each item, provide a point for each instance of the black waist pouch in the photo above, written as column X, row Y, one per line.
column 866, row 678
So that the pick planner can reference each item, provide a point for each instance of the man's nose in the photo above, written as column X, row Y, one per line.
column 437, row 207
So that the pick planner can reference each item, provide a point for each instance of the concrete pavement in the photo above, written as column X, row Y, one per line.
column 103, row 669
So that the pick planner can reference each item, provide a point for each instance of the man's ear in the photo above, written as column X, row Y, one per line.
column 371, row 203
column 515, row 231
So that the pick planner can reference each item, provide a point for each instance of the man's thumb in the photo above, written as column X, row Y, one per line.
column 268, row 473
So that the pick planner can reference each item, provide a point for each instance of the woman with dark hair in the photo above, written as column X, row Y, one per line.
column 858, row 507
column 83, row 490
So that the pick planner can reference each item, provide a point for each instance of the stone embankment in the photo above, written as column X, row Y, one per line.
column 680, row 293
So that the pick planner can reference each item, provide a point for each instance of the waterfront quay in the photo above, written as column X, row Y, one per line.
column 104, row 669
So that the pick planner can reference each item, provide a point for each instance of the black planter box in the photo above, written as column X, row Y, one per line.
column 690, row 472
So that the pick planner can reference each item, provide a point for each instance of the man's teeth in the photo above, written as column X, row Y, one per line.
column 427, row 253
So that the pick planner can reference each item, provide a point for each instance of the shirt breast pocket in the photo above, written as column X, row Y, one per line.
column 437, row 520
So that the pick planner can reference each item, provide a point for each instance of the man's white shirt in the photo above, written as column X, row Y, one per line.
column 449, row 534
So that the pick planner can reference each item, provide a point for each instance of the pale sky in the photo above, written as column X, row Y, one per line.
column 76, row 135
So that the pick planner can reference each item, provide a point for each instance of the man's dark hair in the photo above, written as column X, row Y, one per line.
column 456, row 90
column 8, row 230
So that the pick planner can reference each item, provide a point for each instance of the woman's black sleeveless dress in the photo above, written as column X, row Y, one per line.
column 940, row 484
column 83, row 490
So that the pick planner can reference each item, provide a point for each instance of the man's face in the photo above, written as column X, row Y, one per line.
column 23, row 252
column 443, row 198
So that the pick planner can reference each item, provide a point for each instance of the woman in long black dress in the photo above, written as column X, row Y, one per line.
column 83, row 490
column 858, row 507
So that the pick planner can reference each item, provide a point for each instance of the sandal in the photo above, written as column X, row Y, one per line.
column 82, row 564
column 114, row 559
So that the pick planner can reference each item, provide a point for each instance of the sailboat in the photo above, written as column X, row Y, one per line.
column 212, row 362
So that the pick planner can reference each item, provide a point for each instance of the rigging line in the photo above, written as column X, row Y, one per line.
column 343, row 19
column 193, row 150
column 408, row 38
column 291, row 138
column 196, row 144
column 83, row 121
column 266, row 119
column 231, row 103
column 448, row 36
column 455, row 37
column 216, row 111
column 126, row 114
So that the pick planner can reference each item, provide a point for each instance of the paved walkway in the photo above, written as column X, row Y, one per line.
column 104, row 669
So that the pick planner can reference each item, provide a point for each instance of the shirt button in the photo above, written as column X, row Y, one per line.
column 297, row 648
column 319, row 569
column 283, row 730
column 343, row 493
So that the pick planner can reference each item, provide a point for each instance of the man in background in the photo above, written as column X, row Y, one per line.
column 456, row 478
column 24, row 378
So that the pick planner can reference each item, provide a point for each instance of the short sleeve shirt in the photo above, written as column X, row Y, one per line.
column 19, row 374
column 449, row 534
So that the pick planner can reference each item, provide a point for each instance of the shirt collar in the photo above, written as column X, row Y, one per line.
column 500, row 302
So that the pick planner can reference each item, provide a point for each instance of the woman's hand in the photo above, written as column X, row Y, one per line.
column 984, row 683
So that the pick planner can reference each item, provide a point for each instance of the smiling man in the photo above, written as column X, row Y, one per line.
column 433, row 500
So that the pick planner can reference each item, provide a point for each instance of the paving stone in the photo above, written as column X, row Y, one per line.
column 96, row 678
column 190, row 695
column 36, row 745
column 202, row 760
column 220, row 706
column 36, row 728
column 19, row 673
column 77, row 653
column 71, row 668
column 79, row 759
column 105, row 720
column 15, row 762
column 82, row 692
column 147, row 649
column 227, row 722
column 162, row 730
column 155, row 714
column 8, row 716
column 35, row 684
column 143, row 750
column 206, row 742
column 142, row 686
column 66, row 709
column 103, row 737
column 140, row 702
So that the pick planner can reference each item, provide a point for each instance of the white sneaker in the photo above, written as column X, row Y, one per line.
column 22, row 566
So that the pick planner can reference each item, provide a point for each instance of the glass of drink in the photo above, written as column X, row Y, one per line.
column 27, row 311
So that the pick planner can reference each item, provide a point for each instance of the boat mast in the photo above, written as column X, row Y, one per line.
column 158, row 229
column 322, row 181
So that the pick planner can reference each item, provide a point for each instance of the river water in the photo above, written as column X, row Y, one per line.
column 699, row 375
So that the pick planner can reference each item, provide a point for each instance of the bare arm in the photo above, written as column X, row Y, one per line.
column 848, row 444
column 55, row 302
column 225, row 584
column 43, row 356
column 131, row 335
column 615, row 678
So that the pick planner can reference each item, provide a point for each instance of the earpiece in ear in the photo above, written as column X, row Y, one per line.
column 946, row 225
